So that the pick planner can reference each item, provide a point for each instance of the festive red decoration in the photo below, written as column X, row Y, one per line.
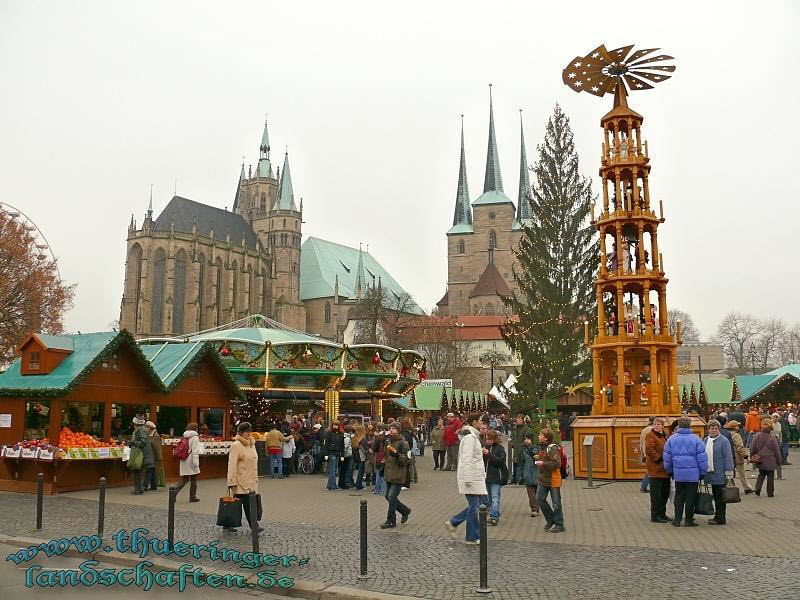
column 224, row 351
column 404, row 372
column 423, row 375
column 376, row 359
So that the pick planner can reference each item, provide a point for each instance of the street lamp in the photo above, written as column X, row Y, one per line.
column 753, row 357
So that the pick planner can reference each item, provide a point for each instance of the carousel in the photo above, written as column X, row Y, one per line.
column 282, row 371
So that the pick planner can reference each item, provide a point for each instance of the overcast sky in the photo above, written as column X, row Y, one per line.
column 101, row 99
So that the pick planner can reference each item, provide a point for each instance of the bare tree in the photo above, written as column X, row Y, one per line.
column 493, row 360
column 771, row 334
column 438, row 340
column 737, row 332
column 380, row 317
column 789, row 346
column 689, row 329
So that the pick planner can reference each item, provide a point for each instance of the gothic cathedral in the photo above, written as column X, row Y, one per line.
column 196, row 266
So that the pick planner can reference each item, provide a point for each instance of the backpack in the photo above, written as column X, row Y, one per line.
column 564, row 461
column 181, row 451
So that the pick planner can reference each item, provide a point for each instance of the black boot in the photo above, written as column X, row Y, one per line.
column 388, row 525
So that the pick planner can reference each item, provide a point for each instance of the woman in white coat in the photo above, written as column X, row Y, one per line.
column 190, row 466
column 471, row 477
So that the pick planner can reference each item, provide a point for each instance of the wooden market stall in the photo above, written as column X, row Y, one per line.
column 93, row 385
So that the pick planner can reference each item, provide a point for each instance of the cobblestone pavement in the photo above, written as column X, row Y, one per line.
column 610, row 548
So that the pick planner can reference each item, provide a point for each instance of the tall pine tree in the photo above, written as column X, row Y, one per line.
column 555, row 270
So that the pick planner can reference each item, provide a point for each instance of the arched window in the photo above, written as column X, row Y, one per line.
column 492, row 240
column 134, row 281
column 159, row 272
column 284, row 223
column 235, row 287
column 488, row 310
column 179, row 292
column 283, row 239
column 251, row 290
column 265, row 300
column 294, row 267
column 218, row 295
column 475, row 309
column 327, row 312
column 201, row 292
column 461, row 248
column 263, row 201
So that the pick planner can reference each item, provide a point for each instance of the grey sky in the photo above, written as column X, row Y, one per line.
column 101, row 99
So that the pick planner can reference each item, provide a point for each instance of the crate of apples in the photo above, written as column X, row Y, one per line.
column 75, row 439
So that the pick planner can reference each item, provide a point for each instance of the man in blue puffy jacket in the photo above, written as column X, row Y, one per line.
column 686, row 461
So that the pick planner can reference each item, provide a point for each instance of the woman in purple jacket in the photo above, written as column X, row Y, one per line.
column 686, row 461
column 766, row 447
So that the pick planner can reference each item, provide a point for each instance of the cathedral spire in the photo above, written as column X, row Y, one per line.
column 264, row 164
column 463, row 211
column 493, row 180
column 238, row 188
column 361, row 288
column 524, row 197
column 150, row 205
column 285, row 199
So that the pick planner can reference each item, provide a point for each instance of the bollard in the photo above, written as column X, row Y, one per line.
column 101, row 507
column 254, row 526
column 173, row 493
column 589, row 482
column 39, row 499
column 484, row 553
column 363, row 570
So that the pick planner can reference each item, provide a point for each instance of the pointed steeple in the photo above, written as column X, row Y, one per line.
column 361, row 285
column 150, row 205
column 238, row 188
column 463, row 211
column 264, row 164
column 285, row 200
column 493, row 180
column 523, row 198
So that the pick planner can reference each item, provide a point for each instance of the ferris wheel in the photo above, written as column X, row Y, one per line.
column 43, row 249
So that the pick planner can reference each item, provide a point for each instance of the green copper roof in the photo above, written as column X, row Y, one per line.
column 492, row 197
column 238, row 189
column 265, row 140
column 285, row 200
column 265, row 169
column 322, row 261
column 463, row 212
column 718, row 391
column 492, row 180
column 461, row 228
column 786, row 369
column 258, row 335
column 56, row 342
column 750, row 384
column 523, row 195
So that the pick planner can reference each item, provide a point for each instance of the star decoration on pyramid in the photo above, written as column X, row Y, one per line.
column 600, row 70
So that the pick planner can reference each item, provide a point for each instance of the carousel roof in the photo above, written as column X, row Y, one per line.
column 261, row 335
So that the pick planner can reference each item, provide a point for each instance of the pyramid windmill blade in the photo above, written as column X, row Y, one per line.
column 640, row 53
column 619, row 54
column 668, row 68
column 570, row 69
column 659, row 58
column 651, row 76
column 634, row 83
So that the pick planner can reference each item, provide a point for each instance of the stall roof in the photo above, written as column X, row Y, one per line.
column 260, row 335
column 88, row 351
column 172, row 362
column 749, row 385
column 718, row 391
column 428, row 397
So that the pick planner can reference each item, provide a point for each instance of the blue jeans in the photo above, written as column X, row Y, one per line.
column 785, row 451
column 360, row 478
column 275, row 460
column 494, row 498
column 333, row 463
column 552, row 515
column 645, row 483
column 470, row 515
column 395, row 506
column 378, row 482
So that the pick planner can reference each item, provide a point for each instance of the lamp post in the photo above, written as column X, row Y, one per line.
column 753, row 357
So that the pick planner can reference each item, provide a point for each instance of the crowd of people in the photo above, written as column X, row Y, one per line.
column 681, row 463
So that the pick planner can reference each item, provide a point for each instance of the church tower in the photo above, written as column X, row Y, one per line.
column 265, row 199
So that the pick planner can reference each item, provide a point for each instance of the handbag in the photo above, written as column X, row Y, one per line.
column 755, row 458
column 229, row 513
column 704, row 503
column 730, row 493
column 135, row 461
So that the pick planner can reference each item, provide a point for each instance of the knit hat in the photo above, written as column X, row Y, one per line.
column 138, row 421
column 732, row 424
column 317, row 426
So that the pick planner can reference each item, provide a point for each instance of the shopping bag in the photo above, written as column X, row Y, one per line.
column 161, row 478
column 704, row 504
column 730, row 493
column 229, row 513
column 135, row 461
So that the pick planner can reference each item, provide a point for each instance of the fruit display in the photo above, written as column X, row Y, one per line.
column 72, row 445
